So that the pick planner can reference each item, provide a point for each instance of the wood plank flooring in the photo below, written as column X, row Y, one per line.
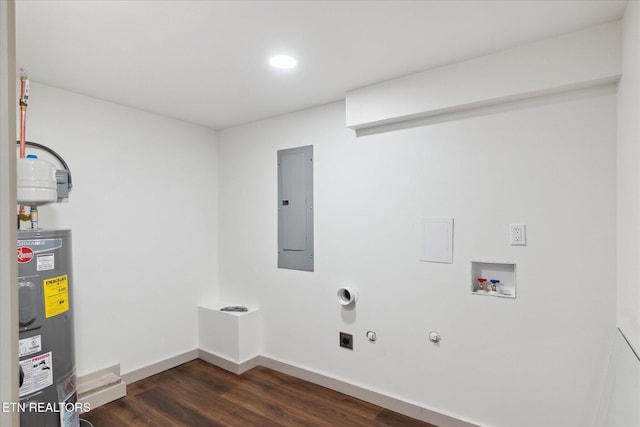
column 198, row 394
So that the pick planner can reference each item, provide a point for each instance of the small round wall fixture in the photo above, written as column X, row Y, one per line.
column 347, row 297
column 283, row 62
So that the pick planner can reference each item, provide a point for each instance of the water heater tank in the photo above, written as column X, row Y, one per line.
column 37, row 184
column 48, row 393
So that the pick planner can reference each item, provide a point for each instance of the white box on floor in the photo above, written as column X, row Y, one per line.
column 232, row 335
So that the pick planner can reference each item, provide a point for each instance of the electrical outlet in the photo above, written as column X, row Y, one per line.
column 518, row 234
column 346, row 340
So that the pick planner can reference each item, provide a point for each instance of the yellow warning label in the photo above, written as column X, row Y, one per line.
column 56, row 295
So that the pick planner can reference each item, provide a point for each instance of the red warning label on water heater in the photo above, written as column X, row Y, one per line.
column 25, row 254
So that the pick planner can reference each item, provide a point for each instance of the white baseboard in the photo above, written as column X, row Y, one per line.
column 160, row 366
column 393, row 404
column 101, row 387
column 388, row 402
column 384, row 401
column 104, row 395
column 228, row 365
column 106, row 385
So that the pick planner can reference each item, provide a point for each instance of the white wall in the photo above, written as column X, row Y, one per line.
column 143, row 212
column 629, row 179
column 533, row 361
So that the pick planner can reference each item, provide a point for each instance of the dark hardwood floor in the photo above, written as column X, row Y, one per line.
column 198, row 394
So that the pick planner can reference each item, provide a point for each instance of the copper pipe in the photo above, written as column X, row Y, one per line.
column 23, row 119
column 24, row 99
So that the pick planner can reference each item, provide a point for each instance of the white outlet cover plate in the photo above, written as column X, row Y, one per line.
column 517, row 234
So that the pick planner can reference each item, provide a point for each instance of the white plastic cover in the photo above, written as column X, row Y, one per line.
column 36, row 181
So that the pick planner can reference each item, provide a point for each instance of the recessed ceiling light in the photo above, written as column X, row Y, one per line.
column 283, row 61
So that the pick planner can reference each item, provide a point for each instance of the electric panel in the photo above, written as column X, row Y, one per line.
column 295, row 208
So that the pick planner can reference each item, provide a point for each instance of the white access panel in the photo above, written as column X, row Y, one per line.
column 436, row 239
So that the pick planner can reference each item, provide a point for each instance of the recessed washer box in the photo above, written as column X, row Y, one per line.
column 502, row 273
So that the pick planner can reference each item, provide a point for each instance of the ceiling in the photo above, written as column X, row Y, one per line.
column 206, row 62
